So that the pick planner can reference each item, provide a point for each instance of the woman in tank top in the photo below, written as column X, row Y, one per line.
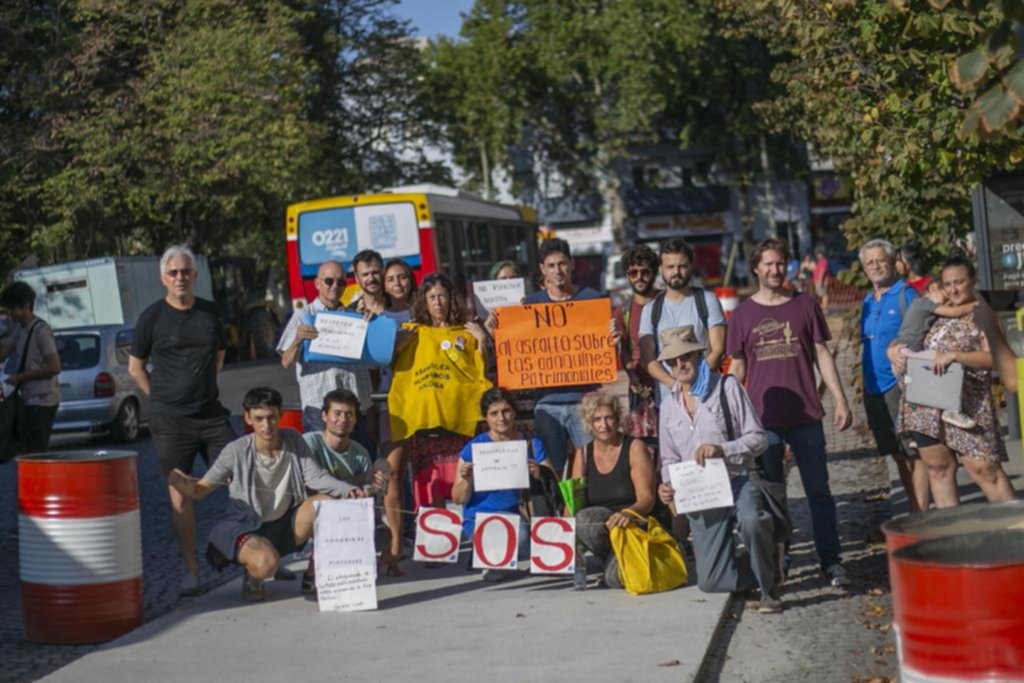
column 620, row 476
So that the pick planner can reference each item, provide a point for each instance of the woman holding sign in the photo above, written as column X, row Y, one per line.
column 500, row 414
column 620, row 480
column 438, row 381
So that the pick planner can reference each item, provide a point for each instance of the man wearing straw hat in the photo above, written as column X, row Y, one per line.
column 706, row 416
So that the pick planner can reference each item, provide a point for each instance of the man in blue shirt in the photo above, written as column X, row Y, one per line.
column 881, row 316
column 556, row 413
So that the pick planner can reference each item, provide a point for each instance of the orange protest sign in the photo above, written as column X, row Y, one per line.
column 557, row 344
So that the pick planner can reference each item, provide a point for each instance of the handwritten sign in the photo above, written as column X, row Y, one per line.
column 438, row 532
column 346, row 590
column 499, row 466
column 496, row 541
column 553, row 545
column 490, row 294
column 343, row 336
column 701, row 488
column 346, row 560
column 552, row 345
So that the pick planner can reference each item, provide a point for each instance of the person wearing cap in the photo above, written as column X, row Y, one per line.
column 693, row 427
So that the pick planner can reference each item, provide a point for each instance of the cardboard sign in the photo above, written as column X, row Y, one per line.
column 499, row 466
column 438, row 532
column 557, row 344
column 701, row 488
column 553, row 545
column 378, row 347
column 491, row 294
column 496, row 541
column 346, row 560
column 342, row 336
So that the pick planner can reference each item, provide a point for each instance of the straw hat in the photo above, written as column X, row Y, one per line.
column 677, row 342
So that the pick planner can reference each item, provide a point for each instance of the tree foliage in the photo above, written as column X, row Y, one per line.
column 867, row 84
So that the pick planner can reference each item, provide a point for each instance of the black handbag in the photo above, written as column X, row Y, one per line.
column 12, row 409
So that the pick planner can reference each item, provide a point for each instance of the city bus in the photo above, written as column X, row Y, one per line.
column 430, row 227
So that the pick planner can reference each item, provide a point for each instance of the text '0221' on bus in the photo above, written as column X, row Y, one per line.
column 431, row 228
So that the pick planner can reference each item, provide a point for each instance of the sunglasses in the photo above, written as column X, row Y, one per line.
column 175, row 272
column 329, row 281
column 639, row 272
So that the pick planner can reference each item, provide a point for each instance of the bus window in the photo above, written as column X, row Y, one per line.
column 340, row 233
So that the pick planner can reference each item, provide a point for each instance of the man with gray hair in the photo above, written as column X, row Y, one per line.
column 183, row 338
column 882, row 313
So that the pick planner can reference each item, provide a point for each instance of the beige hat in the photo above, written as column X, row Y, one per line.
column 677, row 342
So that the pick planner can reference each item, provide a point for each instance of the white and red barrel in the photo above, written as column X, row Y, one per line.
column 729, row 298
column 80, row 546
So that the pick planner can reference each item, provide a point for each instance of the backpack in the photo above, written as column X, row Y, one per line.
column 659, row 303
column 774, row 493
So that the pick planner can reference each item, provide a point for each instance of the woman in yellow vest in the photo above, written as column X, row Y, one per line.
column 438, row 381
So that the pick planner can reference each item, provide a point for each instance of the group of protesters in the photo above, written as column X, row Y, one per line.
column 672, row 343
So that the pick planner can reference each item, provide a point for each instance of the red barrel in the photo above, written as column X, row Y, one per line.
column 729, row 298
column 291, row 418
column 80, row 546
column 963, row 519
column 958, row 611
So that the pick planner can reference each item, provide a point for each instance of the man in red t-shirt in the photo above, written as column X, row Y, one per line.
column 776, row 338
column 640, row 264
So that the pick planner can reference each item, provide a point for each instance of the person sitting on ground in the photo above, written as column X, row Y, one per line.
column 269, row 514
column 620, row 480
column 921, row 315
column 500, row 414
column 694, row 427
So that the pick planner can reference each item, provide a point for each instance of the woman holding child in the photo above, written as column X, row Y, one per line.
column 941, row 437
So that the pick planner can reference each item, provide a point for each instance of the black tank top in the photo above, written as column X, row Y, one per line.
column 615, row 489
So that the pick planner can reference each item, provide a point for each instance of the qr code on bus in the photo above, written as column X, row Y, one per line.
column 384, row 231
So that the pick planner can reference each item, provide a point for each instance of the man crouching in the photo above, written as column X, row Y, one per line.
column 267, row 473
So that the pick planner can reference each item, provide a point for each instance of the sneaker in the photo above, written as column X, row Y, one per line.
column 958, row 420
column 253, row 589
column 189, row 586
column 836, row 575
column 770, row 605
column 284, row 574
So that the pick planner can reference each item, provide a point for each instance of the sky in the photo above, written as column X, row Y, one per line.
column 431, row 18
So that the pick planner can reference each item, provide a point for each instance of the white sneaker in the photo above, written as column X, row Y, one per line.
column 958, row 420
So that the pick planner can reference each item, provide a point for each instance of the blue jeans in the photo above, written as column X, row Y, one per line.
column 808, row 444
column 555, row 424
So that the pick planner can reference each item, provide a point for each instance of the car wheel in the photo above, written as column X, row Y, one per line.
column 126, row 426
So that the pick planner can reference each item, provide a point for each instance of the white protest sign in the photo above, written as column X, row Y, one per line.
column 701, row 488
column 346, row 560
column 438, row 532
column 491, row 294
column 347, row 590
column 553, row 545
column 496, row 541
column 339, row 335
column 500, row 465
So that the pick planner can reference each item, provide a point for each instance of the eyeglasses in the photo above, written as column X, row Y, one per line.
column 875, row 263
column 175, row 272
column 639, row 272
column 329, row 281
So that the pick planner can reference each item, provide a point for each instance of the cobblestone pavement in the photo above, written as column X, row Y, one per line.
column 162, row 564
column 825, row 634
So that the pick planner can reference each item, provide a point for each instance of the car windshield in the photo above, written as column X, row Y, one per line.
column 78, row 351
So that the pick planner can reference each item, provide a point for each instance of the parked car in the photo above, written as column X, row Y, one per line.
column 96, row 392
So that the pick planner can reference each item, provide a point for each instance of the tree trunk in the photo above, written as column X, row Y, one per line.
column 485, row 171
column 766, row 169
column 610, row 187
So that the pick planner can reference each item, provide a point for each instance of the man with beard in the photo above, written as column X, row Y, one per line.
column 640, row 264
column 679, row 305
column 369, row 269
column 776, row 338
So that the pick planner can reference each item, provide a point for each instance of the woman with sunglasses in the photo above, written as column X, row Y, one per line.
column 438, row 381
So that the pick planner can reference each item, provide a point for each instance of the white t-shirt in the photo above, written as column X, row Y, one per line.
column 677, row 314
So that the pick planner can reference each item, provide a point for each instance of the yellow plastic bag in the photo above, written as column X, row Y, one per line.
column 438, row 381
column 649, row 559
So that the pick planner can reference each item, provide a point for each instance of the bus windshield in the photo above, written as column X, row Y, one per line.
column 339, row 233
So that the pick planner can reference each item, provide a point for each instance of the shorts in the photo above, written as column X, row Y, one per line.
column 178, row 439
column 280, row 533
column 923, row 440
column 882, row 410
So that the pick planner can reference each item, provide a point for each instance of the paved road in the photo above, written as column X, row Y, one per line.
column 162, row 566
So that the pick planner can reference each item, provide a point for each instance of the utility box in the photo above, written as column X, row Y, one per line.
column 102, row 291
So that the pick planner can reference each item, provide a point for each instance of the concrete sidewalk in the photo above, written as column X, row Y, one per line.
column 433, row 624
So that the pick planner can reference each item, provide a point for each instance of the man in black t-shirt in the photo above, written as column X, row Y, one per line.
column 184, row 339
